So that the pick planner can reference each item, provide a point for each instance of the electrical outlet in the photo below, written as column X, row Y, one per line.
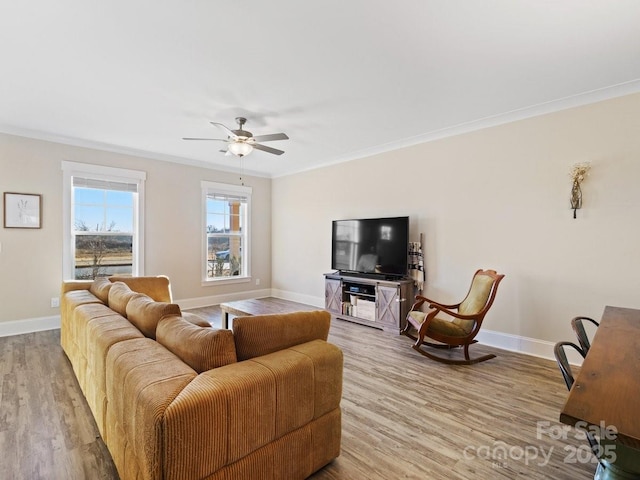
column 55, row 302
column 257, row 281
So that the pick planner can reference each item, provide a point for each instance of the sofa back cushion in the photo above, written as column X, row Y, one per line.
column 195, row 319
column 261, row 334
column 119, row 296
column 202, row 348
column 100, row 288
column 145, row 313
column 158, row 287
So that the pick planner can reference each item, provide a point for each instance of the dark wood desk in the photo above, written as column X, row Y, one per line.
column 607, row 388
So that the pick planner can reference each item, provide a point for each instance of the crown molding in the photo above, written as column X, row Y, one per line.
column 572, row 101
column 107, row 147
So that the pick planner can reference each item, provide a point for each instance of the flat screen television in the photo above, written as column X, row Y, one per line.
column 371, row 246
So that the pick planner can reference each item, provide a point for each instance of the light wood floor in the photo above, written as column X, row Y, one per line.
column 404, row 416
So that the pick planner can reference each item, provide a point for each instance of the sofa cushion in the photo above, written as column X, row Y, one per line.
column 100, row 288
column 262, row 334
column 74, row 298
column 202, row 348
column 119, row 296
column 158, row 287
column 195, row 319
column 145, row 313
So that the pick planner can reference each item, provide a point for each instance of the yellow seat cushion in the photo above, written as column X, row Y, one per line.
column 443, row 327
column 417, row 315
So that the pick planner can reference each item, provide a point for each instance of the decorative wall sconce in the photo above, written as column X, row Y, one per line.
column 578, row 173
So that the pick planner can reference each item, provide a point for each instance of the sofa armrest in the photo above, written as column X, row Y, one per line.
column 158, row 288
column 69, row 285
column 235, row 410
column 262, row 334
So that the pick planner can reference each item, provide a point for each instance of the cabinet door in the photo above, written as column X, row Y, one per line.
column 333, row 295
column 389, row 307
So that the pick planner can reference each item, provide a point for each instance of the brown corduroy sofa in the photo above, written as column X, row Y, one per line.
column 174, row 398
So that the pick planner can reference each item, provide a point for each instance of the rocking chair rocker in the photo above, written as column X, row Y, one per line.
column 467, row 319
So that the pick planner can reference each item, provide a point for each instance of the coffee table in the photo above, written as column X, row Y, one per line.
column 260, row 306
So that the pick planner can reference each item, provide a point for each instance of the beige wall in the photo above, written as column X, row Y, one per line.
column 31, row 260
column 495, row 198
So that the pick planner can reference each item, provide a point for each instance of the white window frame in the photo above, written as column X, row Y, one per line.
column 209, row 188
column 100, row 172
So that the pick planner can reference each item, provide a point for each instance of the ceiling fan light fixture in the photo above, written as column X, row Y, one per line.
column 240, row 149
column 241, row 142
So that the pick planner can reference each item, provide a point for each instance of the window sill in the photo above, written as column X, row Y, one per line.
column 225, row 281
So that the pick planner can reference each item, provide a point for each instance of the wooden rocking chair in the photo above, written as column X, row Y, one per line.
column 467, row 319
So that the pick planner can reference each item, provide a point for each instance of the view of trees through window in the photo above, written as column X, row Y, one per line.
column 103, row 232
column 224, row 237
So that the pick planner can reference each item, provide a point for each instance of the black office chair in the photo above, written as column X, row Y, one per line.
column 578, row 328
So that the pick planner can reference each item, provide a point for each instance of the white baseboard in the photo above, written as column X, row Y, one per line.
column 18, row 327
column 526, row 345
column 299, row 298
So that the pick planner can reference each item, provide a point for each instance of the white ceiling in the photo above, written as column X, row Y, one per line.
column 343, row 78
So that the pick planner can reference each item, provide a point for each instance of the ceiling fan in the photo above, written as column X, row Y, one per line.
column 242, row 142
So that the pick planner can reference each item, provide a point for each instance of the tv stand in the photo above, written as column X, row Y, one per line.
column 373, row 300
column 373, row 276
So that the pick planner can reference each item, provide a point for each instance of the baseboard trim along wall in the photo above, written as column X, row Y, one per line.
column 526, row 345
column 29, row 325
column 505, row 341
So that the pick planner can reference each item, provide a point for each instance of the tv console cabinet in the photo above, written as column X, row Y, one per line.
column 378, row 303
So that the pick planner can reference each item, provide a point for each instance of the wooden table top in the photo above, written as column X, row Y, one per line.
column 263, row 306
column 260, row 306
column 606, row 391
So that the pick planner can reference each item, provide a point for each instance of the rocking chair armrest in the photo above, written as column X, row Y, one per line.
column 433, row 304
column 441, row 308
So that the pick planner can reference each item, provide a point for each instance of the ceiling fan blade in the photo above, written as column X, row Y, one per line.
column 271, row 138
column 212, row 139
column 225, row 129
column 264, row 148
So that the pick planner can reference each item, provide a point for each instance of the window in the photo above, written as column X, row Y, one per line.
column 103, row 214
column 226, row 232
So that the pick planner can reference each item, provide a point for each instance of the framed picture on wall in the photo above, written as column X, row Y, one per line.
column 22, row 210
